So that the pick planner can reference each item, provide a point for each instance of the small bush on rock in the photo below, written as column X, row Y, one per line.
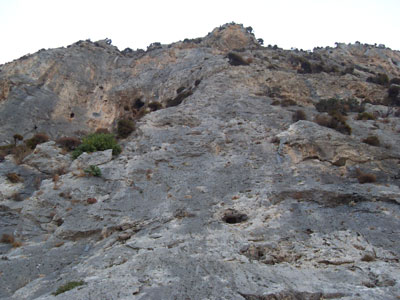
column 14, row 177
column 97, row 142
column 68, row 286
column 69, row 143
column 306, row 67
column 17, row 197
column 393, row 91
column 102, row 130
column 37, row 139
column 276, row 102
column 20, row 152
column 91, row 200
column 7, row 238
column 393, row 95
column 381, row 79
column 155, row 106
column 125, row 128
column 17, row 137
column 365, row 177
column 299, row 115
column 6, row 149
column 288, row 102
column 93, row 171
column 372, row 140
column 395, row 80
column 339, row 105
column 335, row 121
column 365, row 116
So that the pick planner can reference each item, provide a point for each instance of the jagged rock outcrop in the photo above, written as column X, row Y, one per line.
column 219, row 193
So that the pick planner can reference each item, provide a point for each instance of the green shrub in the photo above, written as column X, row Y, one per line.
column 93, row 170
column 353, row 105
column 97, row 142
column 365, row 116
column 68, row 286
column 372, row 140
column 380, row 78
column 339, row 123
column 339, row 105
column 335, row 121
column 37, row 139
column 125, row 128
column 7, row 149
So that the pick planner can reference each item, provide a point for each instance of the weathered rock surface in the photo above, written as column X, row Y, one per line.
column 47, row 158
column 219, row 195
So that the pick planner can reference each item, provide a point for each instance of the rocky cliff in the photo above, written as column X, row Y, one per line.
column 252, row 173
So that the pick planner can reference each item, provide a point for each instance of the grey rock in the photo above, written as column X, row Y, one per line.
column 201, row 204
column 47, row 158
column 91, row 159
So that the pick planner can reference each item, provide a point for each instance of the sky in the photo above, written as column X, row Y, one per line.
column 29, row 25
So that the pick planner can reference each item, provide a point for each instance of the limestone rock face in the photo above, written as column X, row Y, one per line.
column 47, row 158
column 91, row 159
column 230, row 37
column 219, row 193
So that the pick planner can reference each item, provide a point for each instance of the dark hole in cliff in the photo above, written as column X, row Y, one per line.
column 155, row 106
column 180, row 90
column 178, row 99
column 72, row 115
column 236, row 59
column 197, row 82
column 126, row 107
column 138, row 104
column 232, row 216
column 59, row 222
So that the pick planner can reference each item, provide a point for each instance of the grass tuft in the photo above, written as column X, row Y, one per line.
column 68, row 286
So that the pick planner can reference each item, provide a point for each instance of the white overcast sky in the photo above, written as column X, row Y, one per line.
column 29, row 25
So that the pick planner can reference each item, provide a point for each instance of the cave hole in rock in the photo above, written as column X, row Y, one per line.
column 138, row 103
column 232, row 216
column 72, row 115
column 180, row 90
column 178, row 99
column 154, row 106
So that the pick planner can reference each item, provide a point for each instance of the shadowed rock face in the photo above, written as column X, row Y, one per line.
column 218, row 193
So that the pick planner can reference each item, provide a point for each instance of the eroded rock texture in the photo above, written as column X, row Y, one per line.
column 219, row 193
